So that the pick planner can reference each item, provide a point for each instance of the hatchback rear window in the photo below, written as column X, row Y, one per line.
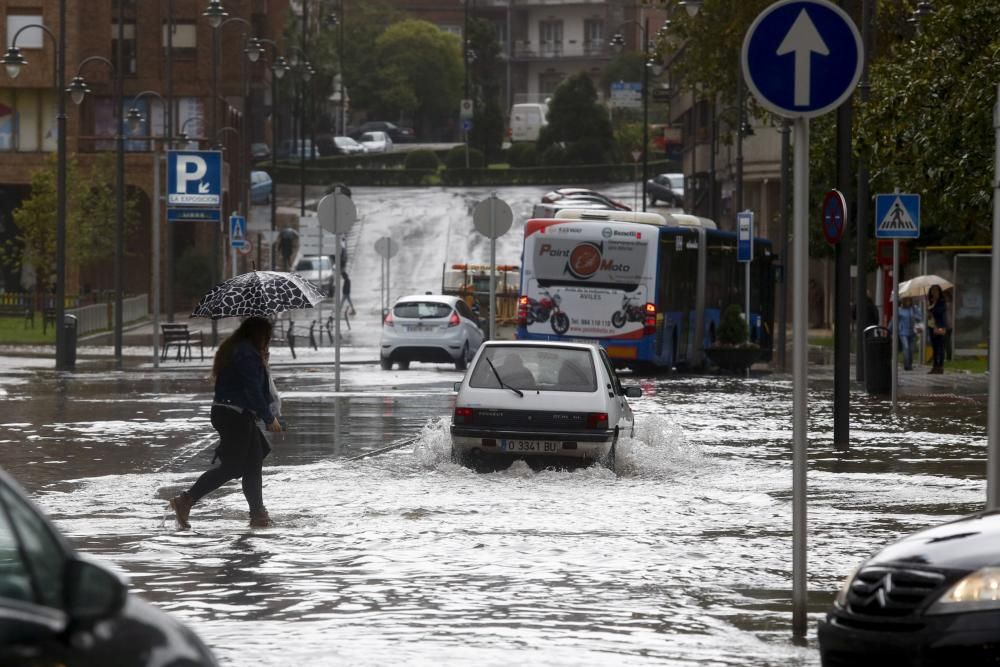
column 422, row 310
column 530, row 367
column 314, row 264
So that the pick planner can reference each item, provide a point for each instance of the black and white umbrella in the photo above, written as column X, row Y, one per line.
column 258, row 294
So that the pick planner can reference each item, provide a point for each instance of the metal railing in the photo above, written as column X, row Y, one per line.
column 101, row 316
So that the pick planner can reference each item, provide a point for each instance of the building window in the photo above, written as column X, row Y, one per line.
column 128, row 46
column 27, row 120
column 593, row 36
column 185, row 40
column 550, row 34
column 32, row 38
column 451, row 29
column 548, row 82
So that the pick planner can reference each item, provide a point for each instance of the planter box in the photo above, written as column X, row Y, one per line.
column 733, row 359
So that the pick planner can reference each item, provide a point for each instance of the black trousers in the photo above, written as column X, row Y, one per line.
column 937, row 344
column 241, row 454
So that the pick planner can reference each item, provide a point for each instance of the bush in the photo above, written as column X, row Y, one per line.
column 194, row 273
column 732, row 327
column 422, row 159
column 522, row 155
column 554, row 156
column 456, row 158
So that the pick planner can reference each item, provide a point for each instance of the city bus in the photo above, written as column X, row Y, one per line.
column 649, row 288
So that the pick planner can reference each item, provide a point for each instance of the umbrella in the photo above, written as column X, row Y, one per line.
column 919, row 286
column 258, row 294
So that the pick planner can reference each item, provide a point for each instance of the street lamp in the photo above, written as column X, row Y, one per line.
column 215, row 13
column 300, row 63
column 618, row 40
column 692, row 6
column 13, row 62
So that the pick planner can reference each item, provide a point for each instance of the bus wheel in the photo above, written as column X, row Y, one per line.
column 560, row 323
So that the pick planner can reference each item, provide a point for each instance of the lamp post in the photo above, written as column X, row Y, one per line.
column 13, row 61
column 279, row 66
column 135, row 121
column 338, row 19
column 618, row 40
column 300, row 64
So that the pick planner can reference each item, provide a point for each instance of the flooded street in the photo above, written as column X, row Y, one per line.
column 682, row 558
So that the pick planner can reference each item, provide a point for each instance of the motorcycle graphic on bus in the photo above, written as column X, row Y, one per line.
column 629, row 312
column 547, row 309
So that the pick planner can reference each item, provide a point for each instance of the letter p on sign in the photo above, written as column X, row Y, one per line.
column 189, row 168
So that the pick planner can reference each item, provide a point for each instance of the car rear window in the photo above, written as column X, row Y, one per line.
column 314, row 264
column 531, row 367
column 422, row 310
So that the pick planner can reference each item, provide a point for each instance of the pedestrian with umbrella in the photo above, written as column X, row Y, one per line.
column 243, row 392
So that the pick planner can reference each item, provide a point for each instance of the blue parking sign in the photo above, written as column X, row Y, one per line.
column 194, row 178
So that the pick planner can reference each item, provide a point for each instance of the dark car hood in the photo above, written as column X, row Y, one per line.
column 968, row 544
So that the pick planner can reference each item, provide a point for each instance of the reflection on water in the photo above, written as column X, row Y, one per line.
column 681, row 558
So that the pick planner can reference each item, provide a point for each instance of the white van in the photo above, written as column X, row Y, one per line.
column 527, row 120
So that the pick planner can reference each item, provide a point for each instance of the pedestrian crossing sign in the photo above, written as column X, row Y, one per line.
column 897, row 216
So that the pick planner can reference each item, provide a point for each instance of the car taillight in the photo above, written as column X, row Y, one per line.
column 388, row 320
column 522, row 311
column 596, row 420
column 453, row 321
column 649, row 326
column 467, row 415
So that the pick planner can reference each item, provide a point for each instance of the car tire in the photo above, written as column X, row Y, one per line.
column 560, row 323
column 404, row 365
column 462, row 362
column 611, row 457
column 386, row 364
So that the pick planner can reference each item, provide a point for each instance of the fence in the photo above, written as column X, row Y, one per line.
column 101, row 316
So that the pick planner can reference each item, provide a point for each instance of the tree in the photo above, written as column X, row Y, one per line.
column 486, row 76
column 578, row 122
column 419, row 74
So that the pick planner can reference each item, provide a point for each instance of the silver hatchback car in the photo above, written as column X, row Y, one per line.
column 430, row 328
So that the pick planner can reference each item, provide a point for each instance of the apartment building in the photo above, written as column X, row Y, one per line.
column 184, row 73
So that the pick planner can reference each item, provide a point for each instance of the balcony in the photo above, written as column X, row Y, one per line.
column 526, row 50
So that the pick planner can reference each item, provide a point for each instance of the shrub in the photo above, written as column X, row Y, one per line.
column 522, row 155
column 194, row 273
column 732, row 327
column 554, row 156
column 456, row 158
column 422, row 159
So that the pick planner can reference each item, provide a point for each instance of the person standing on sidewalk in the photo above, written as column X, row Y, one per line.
column 908, row 317
column 937, row 325
column 345, row 294
column 242, row 395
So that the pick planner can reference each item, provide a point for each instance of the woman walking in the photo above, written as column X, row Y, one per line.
column 242, row 395
column 937, row 325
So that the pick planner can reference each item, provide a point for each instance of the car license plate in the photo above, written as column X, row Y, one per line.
column 418, row 327
column 530, row 446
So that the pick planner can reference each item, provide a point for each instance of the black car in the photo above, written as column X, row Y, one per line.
column 398, row 134
column 659, row 188
column 932, row 598
column 58, row 607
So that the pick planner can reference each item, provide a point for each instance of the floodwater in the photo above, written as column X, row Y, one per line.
column 683, row 557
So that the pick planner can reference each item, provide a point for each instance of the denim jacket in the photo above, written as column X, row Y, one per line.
column 244, row 383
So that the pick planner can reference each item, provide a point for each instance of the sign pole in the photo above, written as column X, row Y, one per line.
column 156, row 254
column 319, row 306
column 895, row 320
column 493, row 267
column 993, row 420
column 800, row 405
column 336, row 310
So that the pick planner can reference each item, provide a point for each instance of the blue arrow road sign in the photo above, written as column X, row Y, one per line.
column 897, row 216
column 466, row 124
column 744, row 236
column 194, row 178
column 237, row 231
column 802, row 58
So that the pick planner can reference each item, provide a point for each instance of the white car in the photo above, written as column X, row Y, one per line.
column 540, row 399
column 348, row 146
column 318, row 269
column 429, row 328
column 376, row 142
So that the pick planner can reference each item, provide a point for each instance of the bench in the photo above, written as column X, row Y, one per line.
column 48, row 319
column 13, row 310
column 181, row 337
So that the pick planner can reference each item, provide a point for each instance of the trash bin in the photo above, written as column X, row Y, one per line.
column 68, row 362
column 878, row 357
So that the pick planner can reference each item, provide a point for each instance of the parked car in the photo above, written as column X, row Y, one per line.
column 261, row 187
column 583, row 194
column 429, row 328
column 318, row 269
column 931, row 598
column 541, row 399
column 348, row 146
column 544, row 210
column 295, row 150
column 667, row 188
column 260, row 151
column 398, row 134
column 527, row 121
column 59, row 607
column 376, row 142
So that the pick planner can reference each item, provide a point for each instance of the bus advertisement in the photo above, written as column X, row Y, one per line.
column 640, row 288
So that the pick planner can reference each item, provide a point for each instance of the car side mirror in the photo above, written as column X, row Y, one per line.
column 93, row 592
column 633, row 392
column 456, row 386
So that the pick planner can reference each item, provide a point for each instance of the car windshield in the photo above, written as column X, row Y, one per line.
column 676, row 182
column 423, row 310
column 536, row 367
column 314, row 264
